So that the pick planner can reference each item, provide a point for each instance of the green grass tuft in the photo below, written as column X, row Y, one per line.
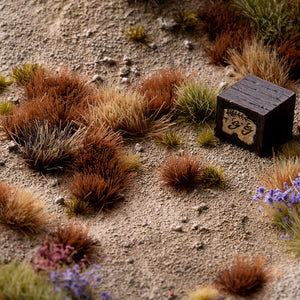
column 4, row 83
column 6, row 108
column 213, row 176
column 23, row 73
column 137, row 34
column 206, row 138
column 196, row 102
column 169, row 140
column 185, row 20
column 18, row 281
column 77, row 207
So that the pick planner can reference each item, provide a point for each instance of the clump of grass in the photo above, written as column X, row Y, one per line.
column 271, row 18
column 259, row 60
column 76, row 236
column 20, row 281
column 133, row 162
column 23, row 73
column 245, row 277
column 123, row 111
column 4, row 83
column 186, row 20
column 46, row 147
column 289, row 149
column 196, row 102
column 75, row 207
column 283, row 170
column 181, row 172
column 21, row 210
column 137, row 34
column 6, row 108
column 213, row 176
column 206, row 138
column 169, row 140
column 159, row 91
column 206, row 293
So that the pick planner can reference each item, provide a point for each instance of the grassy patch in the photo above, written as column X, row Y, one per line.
column 213, row 176
column 206, row 138
column 137, row 34
column 186, row 20
column 169, row 140
column 206, row 293
column 23, row 73
column 4, row 83
column 6, row 108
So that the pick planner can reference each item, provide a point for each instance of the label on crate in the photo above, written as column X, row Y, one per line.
column 236, row 122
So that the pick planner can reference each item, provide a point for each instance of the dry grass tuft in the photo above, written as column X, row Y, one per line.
column 19, row 209
column 284, row 170
column 289, row 149
column 76, row 236
column 169, row 140
column 159, row 90
column 181, row 172
column 259, row 60
column 245, row 276
column 206, row 293
column 124, row 111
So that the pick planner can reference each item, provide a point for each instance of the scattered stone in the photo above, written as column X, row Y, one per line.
column 180, row 152
column 223, row 85
column 135, row 71
column 198, row 245
column 229, row 71
column 153, row 46
column 54, row 182
column 12, row 147
column 204, row 229
column 138, row 147
column 60, row 200
column 127, row 60
column 144, row 224
column 200, row 208
column 124, row 71
column 166, row 24
column 130, row 260
column 195, row 227
column 13, row 100
column 109, row 60
column 185, row 220
column 89, row 33
column 188, row 44
column 177, row 228
column 2, row 163
column 97, row 78
column 125, row 80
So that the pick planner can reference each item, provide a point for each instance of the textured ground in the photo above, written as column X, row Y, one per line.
column 143, row 258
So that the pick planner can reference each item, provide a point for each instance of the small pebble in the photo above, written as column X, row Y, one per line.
column 198, row 245
column 223, row 85
column 127, row 60
column 54, row 182
column 176, row 228
column 185, row 220
column 188, row 44
column 195, row 226
column 109, row 60
column 2, row 163
column 153, row 46
column 12, row 147
column 96, row 78
column 166, row 24
column 60, row 200
column 138, row 147
column 124, row 71
column 130, row 260
column 125, row 80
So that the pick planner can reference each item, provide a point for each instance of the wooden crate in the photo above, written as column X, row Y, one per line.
column 255, row 114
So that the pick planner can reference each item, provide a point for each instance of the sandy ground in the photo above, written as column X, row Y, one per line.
column 142, row 257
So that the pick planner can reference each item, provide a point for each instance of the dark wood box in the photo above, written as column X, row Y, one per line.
column 255, row 114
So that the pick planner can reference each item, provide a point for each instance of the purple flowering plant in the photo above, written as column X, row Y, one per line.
column 76, row 283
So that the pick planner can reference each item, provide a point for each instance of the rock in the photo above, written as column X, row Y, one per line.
column 198, row 245
column 97, row 78
column 185, row 220
column 12, row 147
column 109, row 60
column 125, row 80
column 2, row 163
column 135, row 71
column 180, row 152
column 130, row 260
column 201, row 207
column 60, row 200
column 229, row 71
column 195, row 226
column 177, row 228
column 127, row 60
column 13, row 100
column 124, row 71
column 166, row 24
column 153, row 46
column 54, row 182
column 223, row 85
column 204, row 229
column 188, row 44
column 138, row 147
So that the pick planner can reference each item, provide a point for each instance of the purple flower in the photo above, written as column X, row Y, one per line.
column 105, row 296
column 287, row 219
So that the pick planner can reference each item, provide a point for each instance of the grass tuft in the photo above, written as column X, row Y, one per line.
column 159, row 91
column 206, row 293
column 289, row 149
column 169, row 140
column 206, row 138
column 181, row 172
column 4, row 83
column 6, row 108
column 77, row 207
column 76, row 236
column 283, row 170
column 20, row 210
column 196, row 102
column 213, row 176
column 133, row 162
column 137, row 34
column 20, row 281
column 23, row 73
column 259, row 60
column 185, row 20
column 244, row 277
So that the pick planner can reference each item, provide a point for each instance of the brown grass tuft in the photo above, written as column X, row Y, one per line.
column 284, row 170
column 159, row 90
column 181, row 172
column 259, row 60
column 19, row 209
column 245, row 276
column 77, row 236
